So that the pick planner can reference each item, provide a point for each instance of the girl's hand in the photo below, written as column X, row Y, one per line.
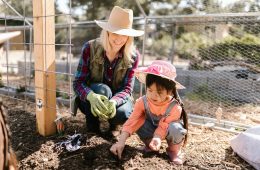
column 155, row 143
column 117, row 149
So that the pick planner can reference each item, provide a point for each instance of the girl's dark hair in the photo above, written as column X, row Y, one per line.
column 163, row 83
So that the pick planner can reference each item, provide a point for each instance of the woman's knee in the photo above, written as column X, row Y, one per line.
column 176, row 132
column 101, row 88
column 123, row 112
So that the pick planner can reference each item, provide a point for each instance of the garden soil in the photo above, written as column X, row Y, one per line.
column 206, row 148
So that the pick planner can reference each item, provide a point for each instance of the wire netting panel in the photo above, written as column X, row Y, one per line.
column 217, row 59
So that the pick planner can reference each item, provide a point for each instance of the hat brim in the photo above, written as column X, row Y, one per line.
column 141, row 74
column 127, row 32
column 6, row 36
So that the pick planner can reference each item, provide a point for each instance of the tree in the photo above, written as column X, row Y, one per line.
column 23, row 7
column 245, row 6
column 161, row 45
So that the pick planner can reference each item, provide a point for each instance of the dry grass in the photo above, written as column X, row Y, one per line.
column 248, row 114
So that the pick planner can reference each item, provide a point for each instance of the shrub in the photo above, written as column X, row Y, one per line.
column 162, row 45
column 188, row 44
column 20, row 89
column 246, row 49
column 1, row 81
column 204, row 93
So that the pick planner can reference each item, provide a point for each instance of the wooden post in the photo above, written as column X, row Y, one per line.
column 44, row 54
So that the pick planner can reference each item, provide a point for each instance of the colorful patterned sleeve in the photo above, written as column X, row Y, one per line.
column 82, row 74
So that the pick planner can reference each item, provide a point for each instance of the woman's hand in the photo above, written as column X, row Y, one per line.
column 117, row 149
column 97, row 105
column 111, row 108
column 155, row 143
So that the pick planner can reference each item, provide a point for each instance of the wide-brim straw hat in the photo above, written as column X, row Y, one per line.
column 8, row 35
column 120, row 22
column 160, row 68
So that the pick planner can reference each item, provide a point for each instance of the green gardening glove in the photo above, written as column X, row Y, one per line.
column 98, row 108
column 111, row 108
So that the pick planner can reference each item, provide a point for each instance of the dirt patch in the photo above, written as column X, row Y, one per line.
column 206, row 149
column 247, row 114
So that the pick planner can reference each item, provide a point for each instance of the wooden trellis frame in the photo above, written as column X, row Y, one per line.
column 44, row 53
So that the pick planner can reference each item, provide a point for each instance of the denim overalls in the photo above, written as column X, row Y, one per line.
column 175, row 131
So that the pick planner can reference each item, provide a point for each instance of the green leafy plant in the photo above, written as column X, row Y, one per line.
column 161, row 45
column 20, row 89
column 65, row 96
column 58, row 93
column 204, row 93
column 1, row 81
column 62, row 77
column 244, row 49
column 188, row 44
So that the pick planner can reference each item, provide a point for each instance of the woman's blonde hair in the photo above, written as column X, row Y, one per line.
column 128, row 47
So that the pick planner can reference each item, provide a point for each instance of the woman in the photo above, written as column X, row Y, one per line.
column 104, row 78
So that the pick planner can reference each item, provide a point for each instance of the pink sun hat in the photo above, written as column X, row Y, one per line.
column 160, row 68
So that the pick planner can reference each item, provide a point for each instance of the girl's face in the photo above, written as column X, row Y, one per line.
column 156, row 95
column 117, row 41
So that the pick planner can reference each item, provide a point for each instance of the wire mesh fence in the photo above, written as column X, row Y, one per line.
column 217, row 60
column 223, row 56
column 217, row 56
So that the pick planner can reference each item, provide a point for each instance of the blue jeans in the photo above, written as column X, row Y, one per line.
column 122, row 112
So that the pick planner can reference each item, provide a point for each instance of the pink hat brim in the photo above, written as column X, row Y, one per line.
column 141, row 73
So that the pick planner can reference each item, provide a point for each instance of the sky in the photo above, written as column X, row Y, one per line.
column 62, row 5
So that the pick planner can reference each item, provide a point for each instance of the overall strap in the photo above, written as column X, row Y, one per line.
column 148, row 112
column 147, row 109
column 168, row 110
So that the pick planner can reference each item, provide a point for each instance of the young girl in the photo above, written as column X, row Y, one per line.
column 159, row 114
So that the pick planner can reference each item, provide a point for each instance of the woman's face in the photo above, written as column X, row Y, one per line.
column 156, row 95
column 117, row 41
